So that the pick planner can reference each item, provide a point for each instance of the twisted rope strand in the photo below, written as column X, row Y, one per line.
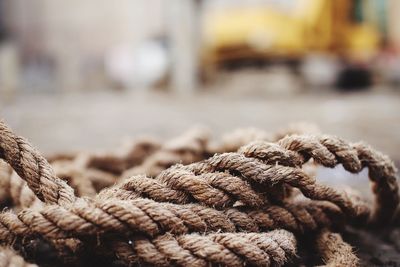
column 232, row 141
column 133, row 155
column 259, row 172
column 21, row 195
column 5, row 176
column 224, row 193
column 33, row 168
column 84, row 181
column 228, row 249
column 151, row 218
column 48, row 223
column 330, row 151
column 189, row 147
column 265, row 175
column 334, row 251
column 181, row 186
column 206, row 182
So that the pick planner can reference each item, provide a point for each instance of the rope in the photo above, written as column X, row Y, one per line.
column 187, row 148
column 131, row 155
column 5, row 175
column 334, row 251
column 85, row 181
column 223, row 210
column 262, row 164
column 33, row 168
column 152, row 218
column 330, row 151
column 229, row 249
column 234, row 140
column 180, row 186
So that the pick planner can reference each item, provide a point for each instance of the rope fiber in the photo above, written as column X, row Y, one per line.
column 248, row 200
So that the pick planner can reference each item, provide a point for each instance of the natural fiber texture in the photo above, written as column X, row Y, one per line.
column 5, row 176
column 263, row 164
column 221, row 209
column 182, row 184
column 14, row 190
column 152, row 218
column 8, row 258
column 257, row 249
column 85, row 182
column 33, row 168
column 334, row 251
column 187, row 148
column 330, row 151
column 232, row 141
column 132, row 154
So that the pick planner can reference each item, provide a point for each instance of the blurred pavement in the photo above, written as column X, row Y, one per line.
column 98, row 121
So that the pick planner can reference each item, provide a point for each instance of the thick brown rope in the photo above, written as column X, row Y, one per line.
column 232, row 141
column 147, row 155
column 228, row 249
column 130, row 155
column 196, row 218
column 21, row 195
column 257, row 163
column 14, row 190
column 33, row 168
column 182, row 183
column 5, row 176
column 330, row 151
column 216, row 182
column 265, row 175
column 334, row 251
column 187, row 148
column 86, row 182
column 152, row 218
column 204, row 183
column 181, row 186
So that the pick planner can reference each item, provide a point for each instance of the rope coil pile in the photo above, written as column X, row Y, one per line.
column 243, row 202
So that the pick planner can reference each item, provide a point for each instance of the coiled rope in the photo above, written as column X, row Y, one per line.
column 215, row 211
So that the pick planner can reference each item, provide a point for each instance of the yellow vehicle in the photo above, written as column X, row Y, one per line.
column 288, row 30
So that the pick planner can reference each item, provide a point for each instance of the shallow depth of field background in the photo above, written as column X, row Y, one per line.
column 84, row 75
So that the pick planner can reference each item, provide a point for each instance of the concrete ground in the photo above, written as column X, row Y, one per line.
column 97, row 121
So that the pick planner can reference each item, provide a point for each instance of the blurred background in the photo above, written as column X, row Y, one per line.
column 85, row 74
